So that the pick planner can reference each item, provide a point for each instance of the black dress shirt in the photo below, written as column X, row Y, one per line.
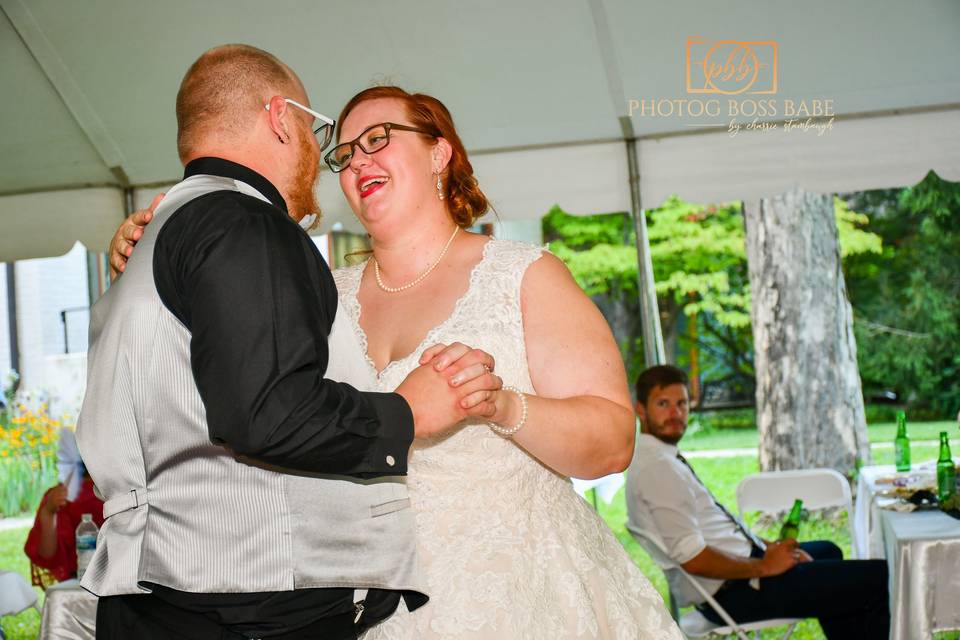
column 259, row 301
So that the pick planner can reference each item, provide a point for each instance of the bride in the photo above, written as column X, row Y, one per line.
column 508, row 548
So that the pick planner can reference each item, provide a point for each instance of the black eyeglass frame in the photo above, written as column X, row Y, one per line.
column 387, row 126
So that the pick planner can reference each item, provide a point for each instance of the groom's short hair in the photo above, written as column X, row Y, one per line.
column 223, row 89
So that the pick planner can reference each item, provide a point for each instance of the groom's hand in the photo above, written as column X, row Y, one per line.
column 434, row 403
column 437, row 406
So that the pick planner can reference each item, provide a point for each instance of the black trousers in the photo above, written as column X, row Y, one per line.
column 848, row 597
column 150, row 617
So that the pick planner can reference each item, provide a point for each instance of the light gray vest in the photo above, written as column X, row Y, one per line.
column 183, row 512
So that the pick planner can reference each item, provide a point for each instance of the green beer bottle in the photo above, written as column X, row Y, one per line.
column 946, row 472
column 791, row 526
column 901, row 444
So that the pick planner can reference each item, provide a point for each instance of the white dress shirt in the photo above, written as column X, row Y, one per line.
column 664, row 497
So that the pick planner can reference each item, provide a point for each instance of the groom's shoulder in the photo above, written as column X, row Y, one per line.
column 227, row 212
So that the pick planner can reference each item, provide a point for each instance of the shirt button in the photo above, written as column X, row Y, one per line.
column 391, row 461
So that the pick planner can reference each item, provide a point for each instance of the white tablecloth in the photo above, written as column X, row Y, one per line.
column 69, row 613
column 922, row 549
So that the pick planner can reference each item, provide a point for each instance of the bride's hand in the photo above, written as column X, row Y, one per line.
column 129, row 231
column 470, row 371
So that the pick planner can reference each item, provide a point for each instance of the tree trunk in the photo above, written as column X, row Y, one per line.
column 809, row 400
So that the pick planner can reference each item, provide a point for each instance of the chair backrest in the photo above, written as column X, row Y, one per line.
column 771, row 491
column 16, row 594
column 654, row 546
column 651, row 542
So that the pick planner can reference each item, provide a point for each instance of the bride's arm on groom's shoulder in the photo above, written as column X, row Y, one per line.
column 580, row 422
column 127, row 235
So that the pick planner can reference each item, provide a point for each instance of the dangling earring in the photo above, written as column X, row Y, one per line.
column 439, row 187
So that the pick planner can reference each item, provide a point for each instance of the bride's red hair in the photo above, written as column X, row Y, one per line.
column 465, row 201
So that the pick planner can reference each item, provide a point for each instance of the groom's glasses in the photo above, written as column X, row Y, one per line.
column 324, row 132
column 374, row 138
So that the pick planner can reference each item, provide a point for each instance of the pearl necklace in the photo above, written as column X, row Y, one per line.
column 419, row 279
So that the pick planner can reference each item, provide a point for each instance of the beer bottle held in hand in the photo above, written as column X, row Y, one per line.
column 901, row 444
column 791, row 526
column 946, row 472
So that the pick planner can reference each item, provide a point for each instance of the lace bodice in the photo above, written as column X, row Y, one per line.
column 508, row 549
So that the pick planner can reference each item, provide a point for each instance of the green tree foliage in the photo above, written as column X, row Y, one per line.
column 700, row 269
column 906, row 298
column 601, row 253
column 599, row 250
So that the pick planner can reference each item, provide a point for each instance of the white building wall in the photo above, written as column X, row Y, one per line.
column 45, row 287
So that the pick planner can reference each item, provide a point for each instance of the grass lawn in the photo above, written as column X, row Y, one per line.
column 882, row 432
column 26, row 625
column 720, row 474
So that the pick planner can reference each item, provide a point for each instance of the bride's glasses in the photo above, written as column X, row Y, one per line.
column 374, row 138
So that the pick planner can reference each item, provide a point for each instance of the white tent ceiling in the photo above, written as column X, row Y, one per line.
column 540, row 91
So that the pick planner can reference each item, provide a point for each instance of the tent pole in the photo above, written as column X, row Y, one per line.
column 129, row 205
column 653, row 351
column 12, row 321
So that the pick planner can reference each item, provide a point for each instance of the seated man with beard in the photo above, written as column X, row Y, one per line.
column 750, row 578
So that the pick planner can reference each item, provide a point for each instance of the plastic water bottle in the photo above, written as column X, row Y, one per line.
column 86, row 542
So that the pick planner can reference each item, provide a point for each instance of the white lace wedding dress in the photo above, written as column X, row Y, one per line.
column 509, row 551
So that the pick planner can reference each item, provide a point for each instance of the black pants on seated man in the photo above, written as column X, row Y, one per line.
column 848, row 597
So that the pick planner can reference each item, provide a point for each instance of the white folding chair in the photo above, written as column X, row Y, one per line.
column 773, row 491
column 694, row 624
column 16, row 595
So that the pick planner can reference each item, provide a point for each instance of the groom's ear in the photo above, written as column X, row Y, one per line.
column 276, row 116
column 440, row 155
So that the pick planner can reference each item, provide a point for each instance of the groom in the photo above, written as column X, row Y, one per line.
column 246, row 495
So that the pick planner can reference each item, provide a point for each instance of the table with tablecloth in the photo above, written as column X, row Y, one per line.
column 69, row 613
column 922, row 549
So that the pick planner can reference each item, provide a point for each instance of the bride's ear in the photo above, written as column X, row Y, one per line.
column 440, row 155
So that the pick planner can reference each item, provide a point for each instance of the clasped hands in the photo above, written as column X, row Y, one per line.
column 453, row 382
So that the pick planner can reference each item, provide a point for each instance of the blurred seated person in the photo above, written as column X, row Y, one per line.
column 751, row 578
column 51, row 543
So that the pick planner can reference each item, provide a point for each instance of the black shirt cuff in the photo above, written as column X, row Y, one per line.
column 389, row 454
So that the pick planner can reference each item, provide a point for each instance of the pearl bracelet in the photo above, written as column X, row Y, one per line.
column 509, row 431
